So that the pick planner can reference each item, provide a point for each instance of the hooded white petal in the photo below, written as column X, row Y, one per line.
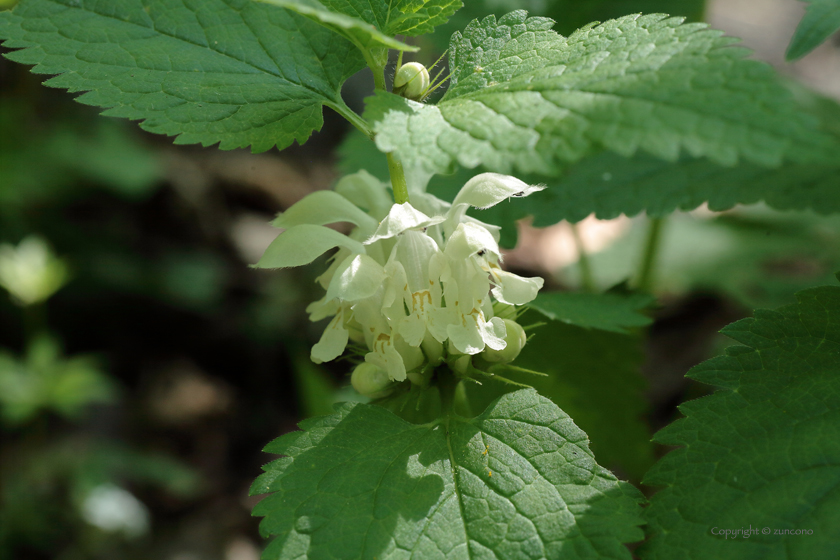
column 469, row 239
column 303, row 244
column 488, row 189
column 324, row 207
column 356, row 278
column 402, row 217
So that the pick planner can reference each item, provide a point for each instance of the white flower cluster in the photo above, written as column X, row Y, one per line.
column 412, row 282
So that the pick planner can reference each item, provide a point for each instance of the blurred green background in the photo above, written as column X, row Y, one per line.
column 143, row 365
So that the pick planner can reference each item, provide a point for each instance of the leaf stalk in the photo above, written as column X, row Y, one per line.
column 585, row 266
column 647, row 270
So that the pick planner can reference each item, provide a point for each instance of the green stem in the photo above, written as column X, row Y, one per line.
column 398, row 182
column 447, row 383
column 648, row 266
column 357, row 121
column 585, row 266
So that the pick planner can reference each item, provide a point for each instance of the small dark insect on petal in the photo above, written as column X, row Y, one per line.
column 519, row 194
column 481, row 253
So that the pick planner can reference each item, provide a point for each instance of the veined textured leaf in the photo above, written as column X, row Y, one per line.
column 569, row 14
column 609, row 311
column 365, row 34
column 518, row 481
column 761, row 452
column 594, row 376
column 523, row 97
column 235, row 72
column 821, row 20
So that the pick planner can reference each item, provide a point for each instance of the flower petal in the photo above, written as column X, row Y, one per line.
column 333, row 341
column 367, row 192
column 493, row 332
column 414, row 250
column 515, row 290
column 469, row 239
column 488, row 189
column 303, row 244
column 356, row 278
column 466, row 337
column 324, row 207
column 402, row 217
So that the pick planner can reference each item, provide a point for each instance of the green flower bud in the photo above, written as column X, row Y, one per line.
column 515, row 339
column 504, row 310
column 411, row 80
column 371, row 381
column 433, row 349
column 462, row 364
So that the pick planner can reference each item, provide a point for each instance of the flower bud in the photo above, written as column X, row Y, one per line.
column 412, row 80
column 370, row 380
column 462, row 364
column 432, row 349
column 515, row 339
column 504, row 310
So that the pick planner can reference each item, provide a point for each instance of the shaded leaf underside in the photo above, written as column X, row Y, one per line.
column 360, row 31
column 613, row 312
column 821, row 19
column 398, row 17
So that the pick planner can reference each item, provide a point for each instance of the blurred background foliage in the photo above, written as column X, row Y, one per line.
column 143, row 365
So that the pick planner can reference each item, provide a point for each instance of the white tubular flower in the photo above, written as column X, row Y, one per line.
column 411, row 280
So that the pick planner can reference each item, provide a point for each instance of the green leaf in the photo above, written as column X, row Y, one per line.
column 610, row 185
column 365, row 35
column 371, row 24
column 822, row 18
column 594, row 376
column 233, row 72
column 523, row 97
column 762, row 451
column 609, row 311
column 398, row 17
column 569, row 14
column 518, row 481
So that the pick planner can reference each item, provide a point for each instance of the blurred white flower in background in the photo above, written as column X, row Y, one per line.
column 114, row 509
column 30, row 272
